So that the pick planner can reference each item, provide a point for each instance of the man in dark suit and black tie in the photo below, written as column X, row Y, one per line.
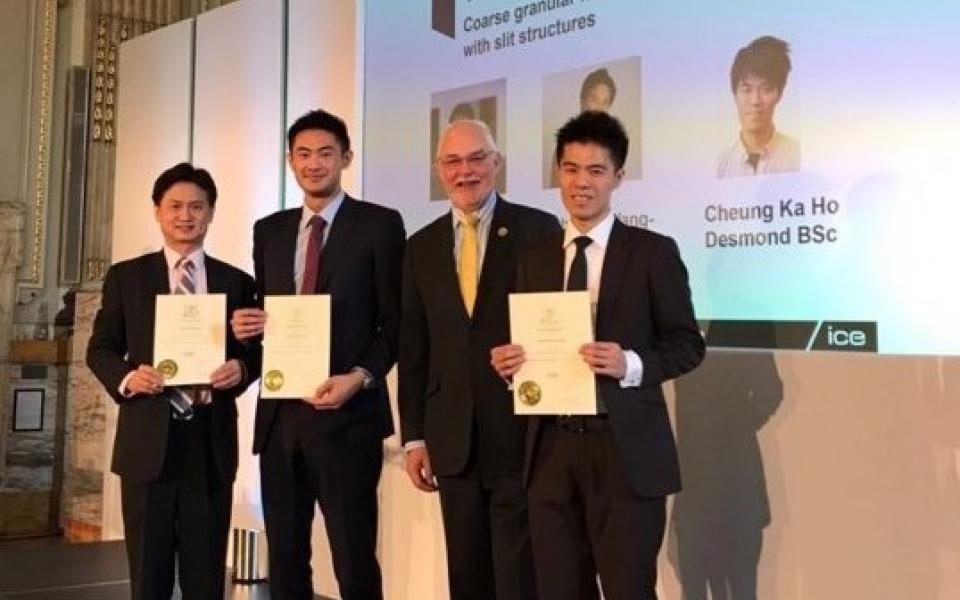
column 457, row 424
column 328, row 449
column 175, row 448
column 597, row 485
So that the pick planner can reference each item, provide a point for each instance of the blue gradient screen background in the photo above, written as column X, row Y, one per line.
column 873, row 98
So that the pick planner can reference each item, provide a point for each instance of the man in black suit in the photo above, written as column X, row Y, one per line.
column 175, row 448
column 597, row 485
column 328, row 449
column 457, row 424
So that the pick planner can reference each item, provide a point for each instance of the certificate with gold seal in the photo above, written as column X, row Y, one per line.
column 296, row 345
column 189, row 337
column 551, row 327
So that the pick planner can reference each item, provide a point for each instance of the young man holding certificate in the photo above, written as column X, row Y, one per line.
column 158, row 346
column 324, row 445
column 597, row 483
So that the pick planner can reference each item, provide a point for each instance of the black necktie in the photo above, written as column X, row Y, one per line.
column 577, row 278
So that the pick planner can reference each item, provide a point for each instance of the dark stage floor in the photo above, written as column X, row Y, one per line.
column 51, row 569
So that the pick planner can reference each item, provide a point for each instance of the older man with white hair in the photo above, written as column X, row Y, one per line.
column 459, row 431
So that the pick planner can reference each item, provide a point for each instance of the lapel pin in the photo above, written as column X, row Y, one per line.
column 502, row 232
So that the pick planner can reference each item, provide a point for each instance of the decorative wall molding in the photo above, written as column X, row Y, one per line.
column 46, row 30
column 113, row 23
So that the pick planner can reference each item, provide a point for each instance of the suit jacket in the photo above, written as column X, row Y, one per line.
column 122, row 340
column 446, row 381
column 361, row 271
column 644, row 305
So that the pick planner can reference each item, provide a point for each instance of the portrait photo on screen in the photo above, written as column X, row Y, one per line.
column 483, row 102
column 612, row 87
column 758, row 80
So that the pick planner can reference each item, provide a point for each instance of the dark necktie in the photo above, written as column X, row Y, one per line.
column 577, row 278
column 186, row 283
column 311, row 270
column 179, row 398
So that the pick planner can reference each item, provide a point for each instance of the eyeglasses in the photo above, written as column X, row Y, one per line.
column 452, row 163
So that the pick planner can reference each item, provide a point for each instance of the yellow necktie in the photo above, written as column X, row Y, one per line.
column 467, row 268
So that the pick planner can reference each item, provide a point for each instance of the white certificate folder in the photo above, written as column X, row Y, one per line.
column 551, row 327
column 296, row 345
column 189, row 339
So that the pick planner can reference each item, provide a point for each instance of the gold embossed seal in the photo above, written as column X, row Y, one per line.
column 167, row 368
column 530, row 393
column 273, row 380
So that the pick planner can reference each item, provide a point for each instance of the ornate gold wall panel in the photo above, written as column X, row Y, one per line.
column 46, row 29
column 113, row 22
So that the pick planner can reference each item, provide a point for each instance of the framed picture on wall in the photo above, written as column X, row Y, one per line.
column 28, row 410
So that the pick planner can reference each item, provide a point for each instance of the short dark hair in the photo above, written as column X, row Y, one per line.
column 593, row 79
column 320, row 119
column 595, row 127
column 184, row 173
column 767, row 57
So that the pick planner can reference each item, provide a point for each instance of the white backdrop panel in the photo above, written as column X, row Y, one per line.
column 322, row 64
column 153, row 129
column 153, row 133
column 237, row 136
column 238, row 118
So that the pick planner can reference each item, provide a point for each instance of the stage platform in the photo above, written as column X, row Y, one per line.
column 52, row 569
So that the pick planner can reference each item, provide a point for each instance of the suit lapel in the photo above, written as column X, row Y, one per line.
column 615, row 262
column 340, row 235
column 496, row 252
column 158, row 279
column 445, row 264
column 287, row 256
column 157, row 283
column 545, row 267
column 216, row 278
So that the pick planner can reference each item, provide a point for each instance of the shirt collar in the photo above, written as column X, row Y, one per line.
column 768, row 148
column 600, row 234
column 328, row 214
column 172, row 256
column 484, row 213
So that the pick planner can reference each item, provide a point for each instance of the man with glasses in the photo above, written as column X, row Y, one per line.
column 459, row 431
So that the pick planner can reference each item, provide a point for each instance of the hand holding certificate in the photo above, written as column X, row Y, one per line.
column 296, row 345
column 189, row 340
column 554, row 379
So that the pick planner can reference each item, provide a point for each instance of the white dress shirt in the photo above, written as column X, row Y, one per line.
column 780, row 154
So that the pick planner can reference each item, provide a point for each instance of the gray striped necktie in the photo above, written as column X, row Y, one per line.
column 182, row 398
column 185, row 278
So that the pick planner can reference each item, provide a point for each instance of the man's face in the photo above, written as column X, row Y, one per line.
column 587, row 179
column 756, row 100
column 599, row 98
column 184, row 213
column 467, row 166
column 317, row 161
